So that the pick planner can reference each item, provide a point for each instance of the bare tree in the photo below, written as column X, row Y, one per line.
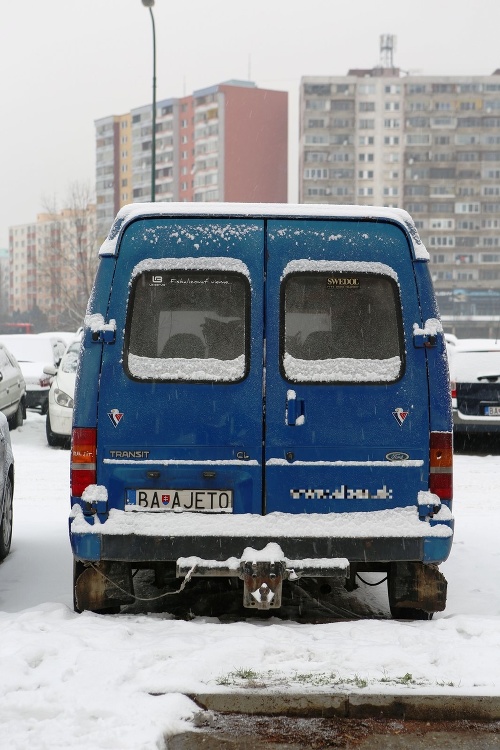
column 67, row 256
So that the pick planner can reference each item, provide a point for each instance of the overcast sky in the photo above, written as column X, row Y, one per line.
column 66, row 63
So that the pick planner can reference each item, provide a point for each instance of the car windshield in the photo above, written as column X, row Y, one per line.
column 70, row 360
column 470, row 366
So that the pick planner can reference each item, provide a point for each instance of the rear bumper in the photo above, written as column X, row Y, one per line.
column 60, row 419
column 301, row 537
column 474, row 423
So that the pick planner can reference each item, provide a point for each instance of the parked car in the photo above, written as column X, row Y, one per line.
column 33, row 354
column 6, row 487
column 12, row 389
column 475, row 385
column 61, row 394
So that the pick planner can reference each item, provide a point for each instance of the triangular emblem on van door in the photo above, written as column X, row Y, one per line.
column 115, row 416
column 400, row 415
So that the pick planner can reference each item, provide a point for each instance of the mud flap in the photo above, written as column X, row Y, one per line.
column 416, row 586
column 103, row 585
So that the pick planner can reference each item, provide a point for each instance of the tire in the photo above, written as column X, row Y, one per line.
column 52, row 439
column 17, row 419
column 6, row 524
column 78, row 568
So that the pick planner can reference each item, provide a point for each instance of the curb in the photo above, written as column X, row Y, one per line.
column 354, row 705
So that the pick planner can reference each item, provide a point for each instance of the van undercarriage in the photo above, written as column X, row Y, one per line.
column 415, row 589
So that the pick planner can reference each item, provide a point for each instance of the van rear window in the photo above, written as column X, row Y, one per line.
column 341, row 327
column 188, row 325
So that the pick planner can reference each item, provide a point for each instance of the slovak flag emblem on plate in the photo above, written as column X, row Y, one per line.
column 115, row 416
column 400, row 415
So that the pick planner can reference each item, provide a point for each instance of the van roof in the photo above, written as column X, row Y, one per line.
column 133, row 211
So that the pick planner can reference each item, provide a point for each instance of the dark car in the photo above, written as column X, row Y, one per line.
column 475, row 384
column 6, row 487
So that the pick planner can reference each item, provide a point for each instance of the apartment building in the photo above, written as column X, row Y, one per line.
column 429, row 144
column 52, row 263
column 228, row 142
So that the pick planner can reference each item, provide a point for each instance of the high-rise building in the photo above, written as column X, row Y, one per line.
column 429, row 144
column 228, row 142
column 52, row 263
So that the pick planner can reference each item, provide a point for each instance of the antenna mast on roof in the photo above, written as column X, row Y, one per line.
column 387, row 48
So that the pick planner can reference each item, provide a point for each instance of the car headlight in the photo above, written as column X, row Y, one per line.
column 62, row 398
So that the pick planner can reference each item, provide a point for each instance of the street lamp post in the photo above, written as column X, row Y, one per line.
column 149, row 4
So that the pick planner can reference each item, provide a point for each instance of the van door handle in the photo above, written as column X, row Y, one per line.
column 294, row 410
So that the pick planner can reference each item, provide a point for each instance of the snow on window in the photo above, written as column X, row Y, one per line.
column 177, row 368
column 340, row 266
column 342, row 369
column 233, row 265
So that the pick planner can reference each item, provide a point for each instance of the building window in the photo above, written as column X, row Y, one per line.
column 467, row 208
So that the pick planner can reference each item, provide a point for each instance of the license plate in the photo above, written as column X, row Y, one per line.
column 492, row 411
column 205, row 501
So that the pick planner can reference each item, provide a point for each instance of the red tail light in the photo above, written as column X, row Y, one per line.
column 83, row 459
column 441, row 465
column 453, row 389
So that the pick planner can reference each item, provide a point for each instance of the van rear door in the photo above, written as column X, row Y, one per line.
column 347, row 402
column 180, row 413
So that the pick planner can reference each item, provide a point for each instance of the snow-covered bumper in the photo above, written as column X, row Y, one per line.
column 399, row 534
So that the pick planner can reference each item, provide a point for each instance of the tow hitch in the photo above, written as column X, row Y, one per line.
column 263, row 572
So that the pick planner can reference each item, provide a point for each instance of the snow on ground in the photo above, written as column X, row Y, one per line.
column 90, row 681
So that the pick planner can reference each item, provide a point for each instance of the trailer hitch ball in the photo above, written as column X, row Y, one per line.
column 262, row 583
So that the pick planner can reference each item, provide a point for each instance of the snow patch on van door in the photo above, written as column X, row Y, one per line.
column 193, row 369
column 342, row 369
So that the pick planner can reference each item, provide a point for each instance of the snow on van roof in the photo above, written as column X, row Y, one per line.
column 133, row 211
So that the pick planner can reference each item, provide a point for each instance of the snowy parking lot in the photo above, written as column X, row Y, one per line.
column 91, row 681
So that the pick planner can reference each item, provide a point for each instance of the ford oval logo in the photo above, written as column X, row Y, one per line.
column 397, row 456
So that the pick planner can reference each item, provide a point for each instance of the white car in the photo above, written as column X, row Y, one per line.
column 33, row 354
column 61, row 395
column 12, row 389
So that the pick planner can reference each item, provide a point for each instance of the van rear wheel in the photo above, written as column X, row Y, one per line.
column 416, row 590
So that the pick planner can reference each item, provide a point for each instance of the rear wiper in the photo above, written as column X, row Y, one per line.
column 489, row 378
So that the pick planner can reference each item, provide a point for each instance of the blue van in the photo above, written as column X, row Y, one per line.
column 263, row 394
